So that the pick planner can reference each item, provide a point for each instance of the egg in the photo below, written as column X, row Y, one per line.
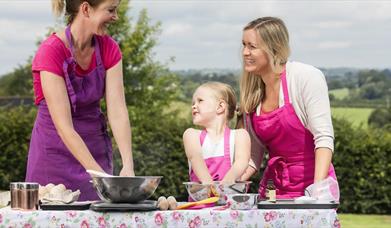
column 49, row 186
column 57, row 191
column 162, row 203
column 172, row 203
column 42, row 190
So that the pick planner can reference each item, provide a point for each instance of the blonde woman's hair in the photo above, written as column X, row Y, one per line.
column 224, row 92
column 274, row 38
column 71, row 7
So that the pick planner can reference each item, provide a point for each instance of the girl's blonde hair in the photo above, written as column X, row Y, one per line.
column 275, row 42
column 71, row 7
column 224, row 92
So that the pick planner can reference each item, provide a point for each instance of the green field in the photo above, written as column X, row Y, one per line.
column 357, row 116
column 364, row 221
column 183, row 108
column 340, row 93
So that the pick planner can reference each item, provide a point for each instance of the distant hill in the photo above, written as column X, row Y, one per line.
column 207, row 72
column 339, row 71
column 328, row 72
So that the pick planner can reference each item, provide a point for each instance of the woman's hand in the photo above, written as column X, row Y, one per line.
column 126, row 172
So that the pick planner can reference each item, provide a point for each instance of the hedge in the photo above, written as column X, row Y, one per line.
column 362, row 157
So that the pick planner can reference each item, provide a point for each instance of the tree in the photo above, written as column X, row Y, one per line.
column 150, row 88
column 17, row 83
column 380, row 118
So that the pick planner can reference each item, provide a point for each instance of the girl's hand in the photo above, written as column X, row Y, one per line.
column 126, row 172
column 228, row 181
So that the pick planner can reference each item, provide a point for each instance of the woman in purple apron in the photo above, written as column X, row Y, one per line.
column 73, row 70
column 286, row 109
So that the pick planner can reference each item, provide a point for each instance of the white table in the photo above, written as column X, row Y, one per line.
column 181, row 218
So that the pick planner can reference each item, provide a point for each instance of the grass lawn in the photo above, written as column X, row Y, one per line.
column 340, row 93
column 183, row 108
column 356, row 116
column 364, row 221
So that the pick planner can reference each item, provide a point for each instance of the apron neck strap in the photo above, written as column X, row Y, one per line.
column 227, row 154
column 202, row 136
column 68, row 35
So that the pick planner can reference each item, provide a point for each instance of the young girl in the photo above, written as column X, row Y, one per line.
column 215, row 153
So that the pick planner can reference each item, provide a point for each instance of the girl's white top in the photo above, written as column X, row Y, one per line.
column 210, row 149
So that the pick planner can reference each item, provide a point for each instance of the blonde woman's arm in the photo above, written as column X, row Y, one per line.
column 191, row 142
column 242, row 157
column 118, row 116
column 56, row 97
column 257, row 151
column 317, row 105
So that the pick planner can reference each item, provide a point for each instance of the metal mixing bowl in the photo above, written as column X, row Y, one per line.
column 125, row 189
column 242, row 201
column 198, row 191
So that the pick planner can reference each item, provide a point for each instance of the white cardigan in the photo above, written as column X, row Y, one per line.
column 308, row 93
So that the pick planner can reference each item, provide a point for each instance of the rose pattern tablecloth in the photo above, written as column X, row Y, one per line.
column 180, row 218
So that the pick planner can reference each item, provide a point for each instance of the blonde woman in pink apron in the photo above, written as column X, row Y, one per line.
column 287, row 111
column 215, row 153
column 72, row 71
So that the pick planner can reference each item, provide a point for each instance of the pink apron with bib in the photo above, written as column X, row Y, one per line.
column 49, row 160
column 217, row 166
column 291, row 148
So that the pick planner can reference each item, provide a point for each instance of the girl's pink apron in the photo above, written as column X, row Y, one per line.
column 217, row 166
column 49, row 161
column 291, row 149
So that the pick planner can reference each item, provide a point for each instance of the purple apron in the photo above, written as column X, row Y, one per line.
column 291, row 148
column 49, row 160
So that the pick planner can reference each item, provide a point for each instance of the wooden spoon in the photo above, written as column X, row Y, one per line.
column 205, row 201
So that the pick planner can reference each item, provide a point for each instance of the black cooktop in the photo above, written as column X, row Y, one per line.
column 146, row 205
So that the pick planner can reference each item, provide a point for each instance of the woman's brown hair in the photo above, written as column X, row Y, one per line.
column 71, row 7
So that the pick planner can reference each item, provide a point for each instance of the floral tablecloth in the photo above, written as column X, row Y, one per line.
column 181, row 218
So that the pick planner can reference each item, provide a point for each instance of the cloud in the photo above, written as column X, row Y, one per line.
column 334, row 44
column 201, row 33
column 334, row 24
column 177, row 30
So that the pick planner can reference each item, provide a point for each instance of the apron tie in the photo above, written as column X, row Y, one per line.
column 277, row 168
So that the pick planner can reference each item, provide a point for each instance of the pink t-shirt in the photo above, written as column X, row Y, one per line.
column 52, row 53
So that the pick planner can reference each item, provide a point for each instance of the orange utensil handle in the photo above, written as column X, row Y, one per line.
column 205, row 201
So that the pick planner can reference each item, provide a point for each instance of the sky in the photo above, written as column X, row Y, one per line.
column 207, row 34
